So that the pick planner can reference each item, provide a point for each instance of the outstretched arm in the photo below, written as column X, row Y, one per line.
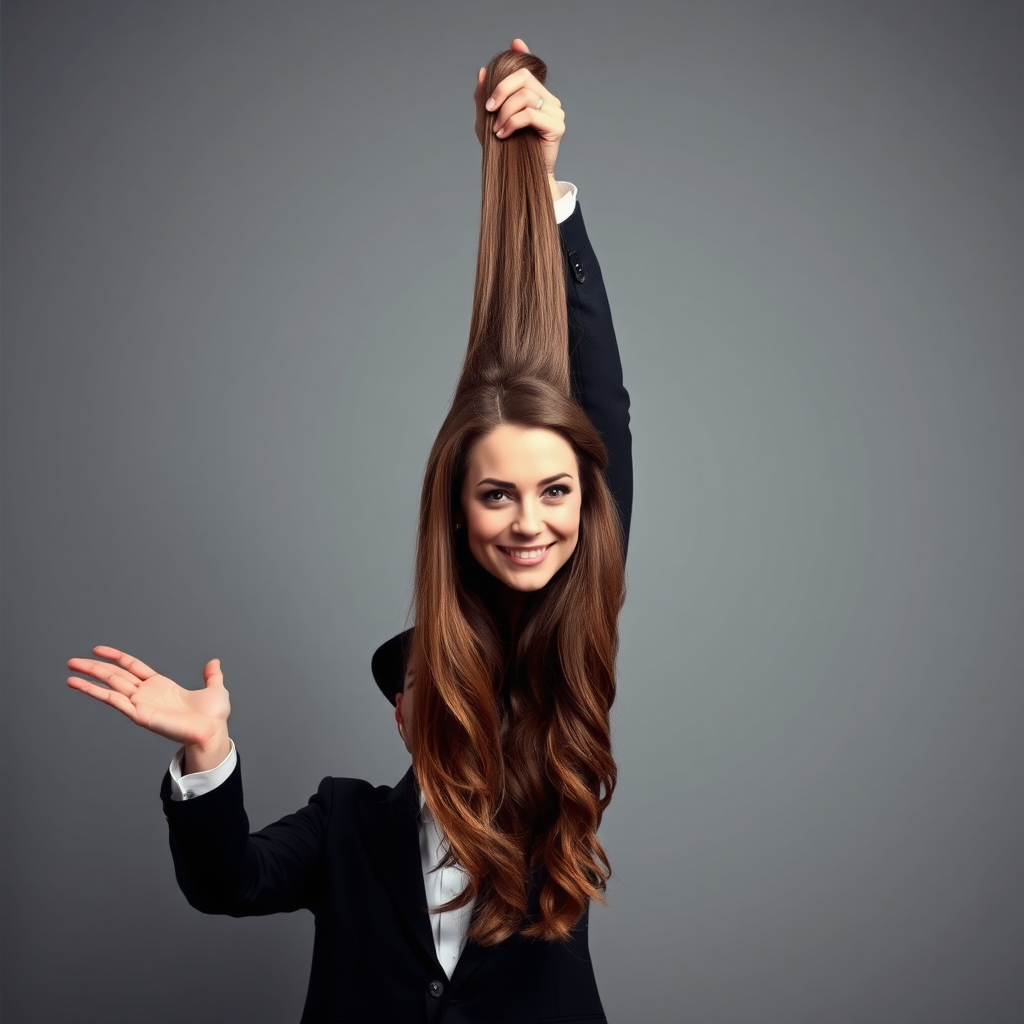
column 220, row 867
column 223, row 869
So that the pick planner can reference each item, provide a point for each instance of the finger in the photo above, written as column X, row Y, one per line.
column 524, row 100
column 529, row 97
column 548, row 126
column 518, row 80
column 519, row 46
column 137, row 668
column 212, row 674
column 509, row 97
column 111, row 697
column 117, row 678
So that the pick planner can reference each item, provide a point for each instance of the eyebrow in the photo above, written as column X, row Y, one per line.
column 512, row 487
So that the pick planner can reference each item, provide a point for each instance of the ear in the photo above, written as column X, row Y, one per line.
column 399, row 720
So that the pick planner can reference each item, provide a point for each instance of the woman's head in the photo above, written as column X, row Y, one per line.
column 513, row 481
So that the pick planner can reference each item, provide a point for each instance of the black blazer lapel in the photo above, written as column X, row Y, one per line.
column 392, row 837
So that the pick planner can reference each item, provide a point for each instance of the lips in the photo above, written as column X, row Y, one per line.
column 525, row 556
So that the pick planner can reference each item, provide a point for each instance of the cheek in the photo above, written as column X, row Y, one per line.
column 482, row 524
column 568, row 521
column 475, row 529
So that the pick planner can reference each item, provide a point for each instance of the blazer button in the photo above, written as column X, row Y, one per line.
column 435, row 988
column 577, row 267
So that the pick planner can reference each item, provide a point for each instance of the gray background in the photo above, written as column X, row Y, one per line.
column 238, row 251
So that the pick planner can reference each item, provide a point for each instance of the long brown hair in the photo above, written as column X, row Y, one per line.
column 510, row 737
column 519, row 318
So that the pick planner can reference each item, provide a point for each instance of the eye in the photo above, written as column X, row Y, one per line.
column 497, row 497
column 558, row 491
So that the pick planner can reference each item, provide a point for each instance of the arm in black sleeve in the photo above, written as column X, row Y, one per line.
column 594, row 361
column 222, row 869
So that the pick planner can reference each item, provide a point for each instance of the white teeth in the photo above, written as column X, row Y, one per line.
column 525, row 553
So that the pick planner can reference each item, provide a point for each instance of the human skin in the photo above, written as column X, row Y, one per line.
column 197, row 719
column 521, row 502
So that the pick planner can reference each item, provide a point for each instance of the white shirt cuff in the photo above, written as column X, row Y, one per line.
column 188, row 787
column 567, row 203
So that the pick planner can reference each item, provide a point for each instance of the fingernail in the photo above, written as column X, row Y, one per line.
column 490, row 104
column 500, row 132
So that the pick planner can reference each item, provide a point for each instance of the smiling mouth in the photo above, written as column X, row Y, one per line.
column 525, row 556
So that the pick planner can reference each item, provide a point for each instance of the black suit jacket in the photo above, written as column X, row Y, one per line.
column 351, row 856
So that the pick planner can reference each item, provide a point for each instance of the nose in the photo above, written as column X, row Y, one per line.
column 530, row 521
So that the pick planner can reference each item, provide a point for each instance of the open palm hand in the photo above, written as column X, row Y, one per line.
column 190, row 717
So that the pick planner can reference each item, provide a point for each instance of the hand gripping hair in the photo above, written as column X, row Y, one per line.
column 519, row 318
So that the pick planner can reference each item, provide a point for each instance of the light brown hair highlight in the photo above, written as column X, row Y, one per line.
column 519, row 318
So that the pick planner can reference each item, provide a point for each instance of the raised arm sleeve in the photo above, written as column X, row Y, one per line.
column 594, row 361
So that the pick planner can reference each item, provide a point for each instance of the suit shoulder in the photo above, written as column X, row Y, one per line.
column 340, row 790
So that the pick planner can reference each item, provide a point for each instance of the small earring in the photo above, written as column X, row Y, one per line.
column 458, row 526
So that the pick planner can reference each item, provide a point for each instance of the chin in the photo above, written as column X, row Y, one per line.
column 522, row 579
column 526, row 586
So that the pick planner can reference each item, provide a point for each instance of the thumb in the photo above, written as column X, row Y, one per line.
column 212, row 674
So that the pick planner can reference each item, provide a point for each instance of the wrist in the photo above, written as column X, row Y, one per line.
column 202, row 756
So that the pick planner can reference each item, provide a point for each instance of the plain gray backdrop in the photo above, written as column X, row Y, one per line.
column 238, row 251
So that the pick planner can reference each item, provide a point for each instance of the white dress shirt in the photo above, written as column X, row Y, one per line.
column 567, row 203
column 442, row 884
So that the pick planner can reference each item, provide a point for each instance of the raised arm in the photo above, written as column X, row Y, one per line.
column 594, row 360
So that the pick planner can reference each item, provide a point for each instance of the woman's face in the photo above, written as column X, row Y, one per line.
column 521, row 504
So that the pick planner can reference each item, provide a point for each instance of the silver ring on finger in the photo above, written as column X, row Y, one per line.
column 540, row 103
